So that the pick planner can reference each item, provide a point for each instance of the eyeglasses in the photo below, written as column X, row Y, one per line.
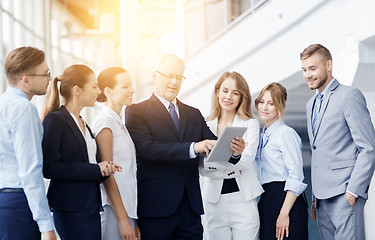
column 172, row 76
column 48, row 74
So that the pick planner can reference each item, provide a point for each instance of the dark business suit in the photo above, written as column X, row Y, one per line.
column 166, row 175
column 73, row 194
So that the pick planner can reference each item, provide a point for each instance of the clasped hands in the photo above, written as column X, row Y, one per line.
column 108, row 168
column 237, row 145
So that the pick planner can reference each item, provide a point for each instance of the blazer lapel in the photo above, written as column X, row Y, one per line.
column 325, row 102
column 213, row 126
column 76, row 132
column 238, row 122
column 161, row 111
column 183, row 118
column 308, row 116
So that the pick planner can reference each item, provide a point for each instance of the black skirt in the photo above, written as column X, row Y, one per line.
column 269, row 208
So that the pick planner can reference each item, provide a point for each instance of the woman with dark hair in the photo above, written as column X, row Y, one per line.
column 115, row 145
column 70, row 156
column 230, row 188
column 282, row 207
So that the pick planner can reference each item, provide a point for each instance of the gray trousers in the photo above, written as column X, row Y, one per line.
column 337, row 220
column 110, row 228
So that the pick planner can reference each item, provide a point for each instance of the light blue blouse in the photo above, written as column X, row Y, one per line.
column 279, row 157
column 21, row 159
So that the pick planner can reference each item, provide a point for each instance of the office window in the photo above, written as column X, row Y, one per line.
column 237, row 7
column 194, row 27
column 7, row 33
column 38, row 17
column 19, row 10
column 7, row 5
column 216, row 17
column 19, row 36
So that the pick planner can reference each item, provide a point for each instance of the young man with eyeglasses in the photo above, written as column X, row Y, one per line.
column 24, row 210
column 168, row 136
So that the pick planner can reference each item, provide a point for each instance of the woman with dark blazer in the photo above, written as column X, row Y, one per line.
column 70, row 156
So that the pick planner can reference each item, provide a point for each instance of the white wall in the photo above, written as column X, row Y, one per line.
column 265, row 46
column 370, row 205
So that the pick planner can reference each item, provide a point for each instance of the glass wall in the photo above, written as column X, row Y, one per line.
column 192, row 26
column 22, row 23
column 48, row 25
column 208, row 19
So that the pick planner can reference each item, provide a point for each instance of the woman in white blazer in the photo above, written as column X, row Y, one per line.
column 230, row 188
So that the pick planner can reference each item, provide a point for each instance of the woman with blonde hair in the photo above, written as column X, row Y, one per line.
column 70, row 156
column 282, row 207
column 230, row 188
column 115, row 145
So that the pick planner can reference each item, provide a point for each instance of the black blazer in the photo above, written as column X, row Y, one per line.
column 164, row 168
column 74, row 181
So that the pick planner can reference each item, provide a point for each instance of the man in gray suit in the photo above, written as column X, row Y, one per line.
column 342, row 142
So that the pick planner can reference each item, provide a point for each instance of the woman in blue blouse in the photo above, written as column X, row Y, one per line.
column 282, row 208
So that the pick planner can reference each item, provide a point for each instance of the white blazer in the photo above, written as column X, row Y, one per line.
column 213, row 173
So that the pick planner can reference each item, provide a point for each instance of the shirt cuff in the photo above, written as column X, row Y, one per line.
column 46, row 225
column 355, row 195
column 297, row 187
column 192, row 154
column 234, row 159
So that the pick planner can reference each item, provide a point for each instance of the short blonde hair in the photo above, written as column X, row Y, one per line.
column 316, row 48
column 244, row 106
column 278, row 94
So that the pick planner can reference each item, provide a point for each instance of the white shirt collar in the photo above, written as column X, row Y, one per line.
column 112, row 113
column 166, row 103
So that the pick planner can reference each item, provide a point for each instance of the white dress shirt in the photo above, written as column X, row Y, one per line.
column 123, row 155
column 90, row 142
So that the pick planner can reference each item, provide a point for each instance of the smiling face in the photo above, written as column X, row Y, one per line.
column 267, row 110
column 122, row 93
column 168, row 78
column 317, row 71
column 228, row 95
column 89, row 92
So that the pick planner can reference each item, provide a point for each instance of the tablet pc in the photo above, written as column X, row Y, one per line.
column 222, row 152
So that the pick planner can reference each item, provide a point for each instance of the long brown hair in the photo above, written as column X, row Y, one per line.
column 244, row 106
column 75, row 75
column 278, row 95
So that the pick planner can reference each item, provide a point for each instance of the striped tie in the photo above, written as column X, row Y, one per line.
column 173, row 113
column 316, row 110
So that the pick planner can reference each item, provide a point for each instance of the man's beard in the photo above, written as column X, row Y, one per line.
column 320, row 83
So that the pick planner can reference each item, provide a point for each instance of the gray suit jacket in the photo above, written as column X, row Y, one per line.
column 343, row 148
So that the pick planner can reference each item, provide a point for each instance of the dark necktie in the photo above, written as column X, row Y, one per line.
column 316, row 110
column 173, row 113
